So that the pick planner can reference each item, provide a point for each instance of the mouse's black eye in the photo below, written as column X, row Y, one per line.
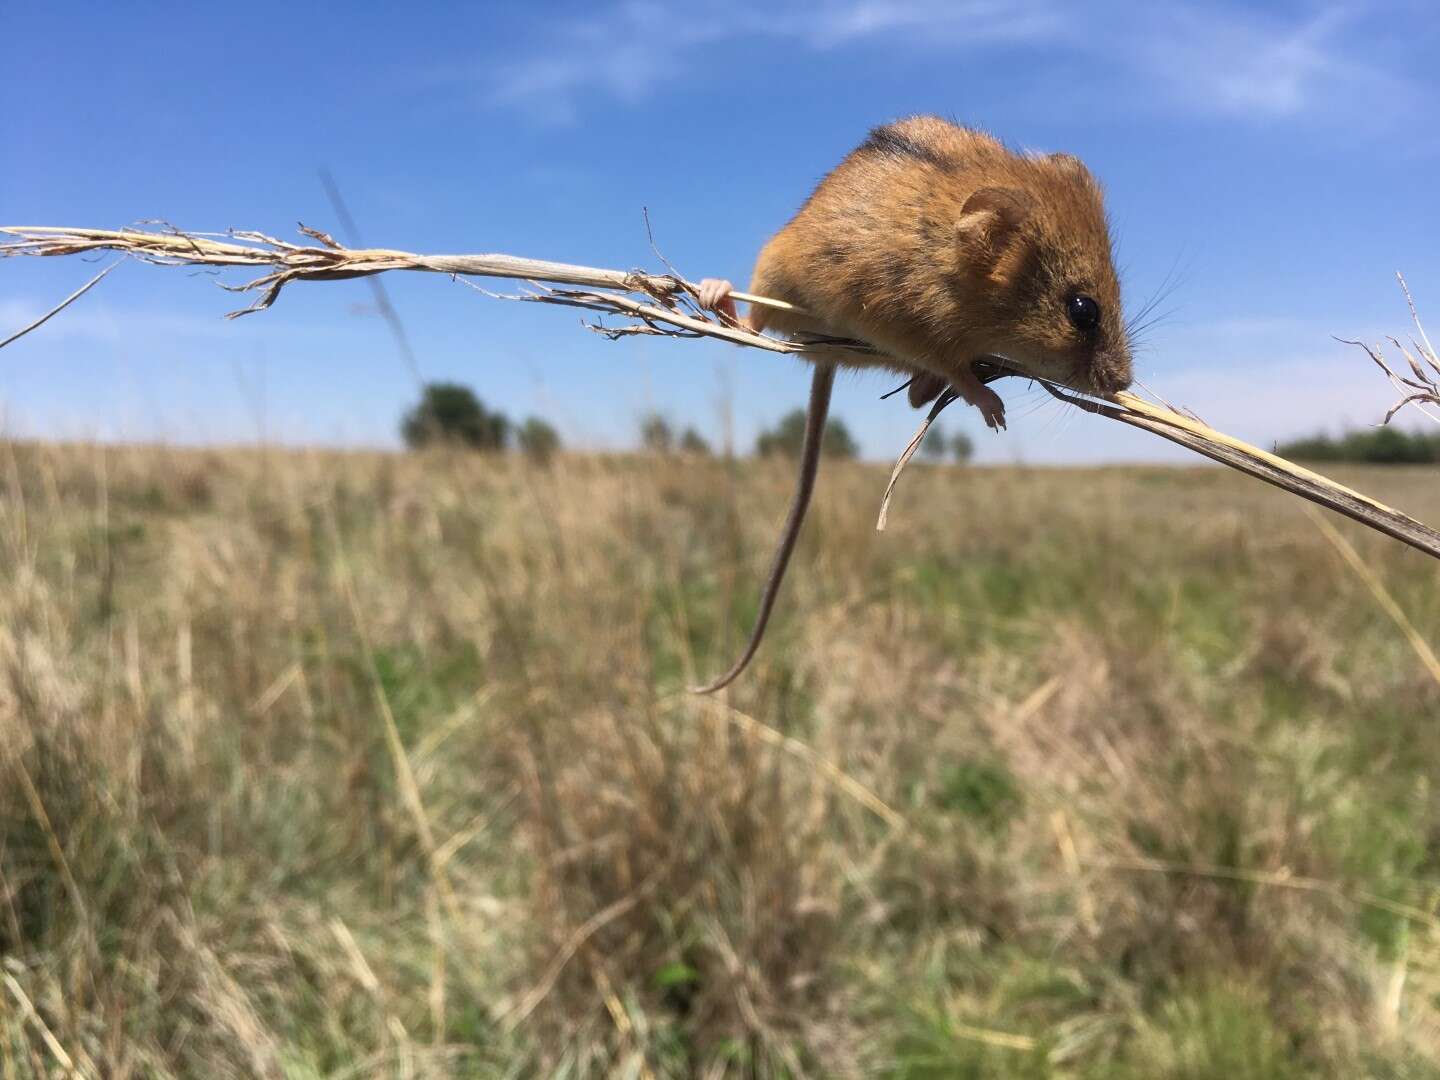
column 1084, row 312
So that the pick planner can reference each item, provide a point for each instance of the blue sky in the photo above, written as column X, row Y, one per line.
column 1277, row 163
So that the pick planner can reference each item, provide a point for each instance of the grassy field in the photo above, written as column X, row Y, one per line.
column 367, row 765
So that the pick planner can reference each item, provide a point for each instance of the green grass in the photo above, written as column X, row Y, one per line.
column 1089, row 695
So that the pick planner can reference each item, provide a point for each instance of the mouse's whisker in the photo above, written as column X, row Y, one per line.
column 1168, row 284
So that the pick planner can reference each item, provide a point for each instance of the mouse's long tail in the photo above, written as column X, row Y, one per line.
column 821, row 384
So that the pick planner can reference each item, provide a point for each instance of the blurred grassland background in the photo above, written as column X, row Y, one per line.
column 324, row 764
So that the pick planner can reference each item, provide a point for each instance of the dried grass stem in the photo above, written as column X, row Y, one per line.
column 671, row 310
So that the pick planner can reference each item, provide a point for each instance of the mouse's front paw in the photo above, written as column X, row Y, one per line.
column 991, row 407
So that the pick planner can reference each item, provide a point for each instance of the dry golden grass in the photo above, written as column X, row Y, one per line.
column 368, row 765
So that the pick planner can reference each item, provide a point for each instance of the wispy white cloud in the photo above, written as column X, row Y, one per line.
column 975, row 22
column 1202, row 58
column 105, row 324
column 1283, row 397
column 1258, row 65
column 620, row 54
column 625, row 52
column 102, row 323
column 1270, row 377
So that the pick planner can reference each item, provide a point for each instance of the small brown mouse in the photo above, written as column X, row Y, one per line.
column 938, row 246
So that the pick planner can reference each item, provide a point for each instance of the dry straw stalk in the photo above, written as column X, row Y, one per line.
column 669, row 309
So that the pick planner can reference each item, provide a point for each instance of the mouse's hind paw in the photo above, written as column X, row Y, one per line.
column 714, row 291
column 925, row 388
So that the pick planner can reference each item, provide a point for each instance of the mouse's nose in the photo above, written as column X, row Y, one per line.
column 1111, row 372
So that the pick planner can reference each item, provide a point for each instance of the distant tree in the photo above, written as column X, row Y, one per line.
column 935, row 444
column 451, row 413
column 692, row 442
column 788, row 436
column 961, row 447
column 656, row 434
column 837, row 440
column 1313, row 448
column 1378, row 446
column 538, row 440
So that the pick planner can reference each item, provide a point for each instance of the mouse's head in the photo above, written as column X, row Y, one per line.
column 1039, row 244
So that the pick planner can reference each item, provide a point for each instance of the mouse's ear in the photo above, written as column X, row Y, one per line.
column 993, row 215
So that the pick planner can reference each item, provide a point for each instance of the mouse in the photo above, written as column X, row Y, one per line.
column 940, row 248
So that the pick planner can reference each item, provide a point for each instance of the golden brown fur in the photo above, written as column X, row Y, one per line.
column 938, row 245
